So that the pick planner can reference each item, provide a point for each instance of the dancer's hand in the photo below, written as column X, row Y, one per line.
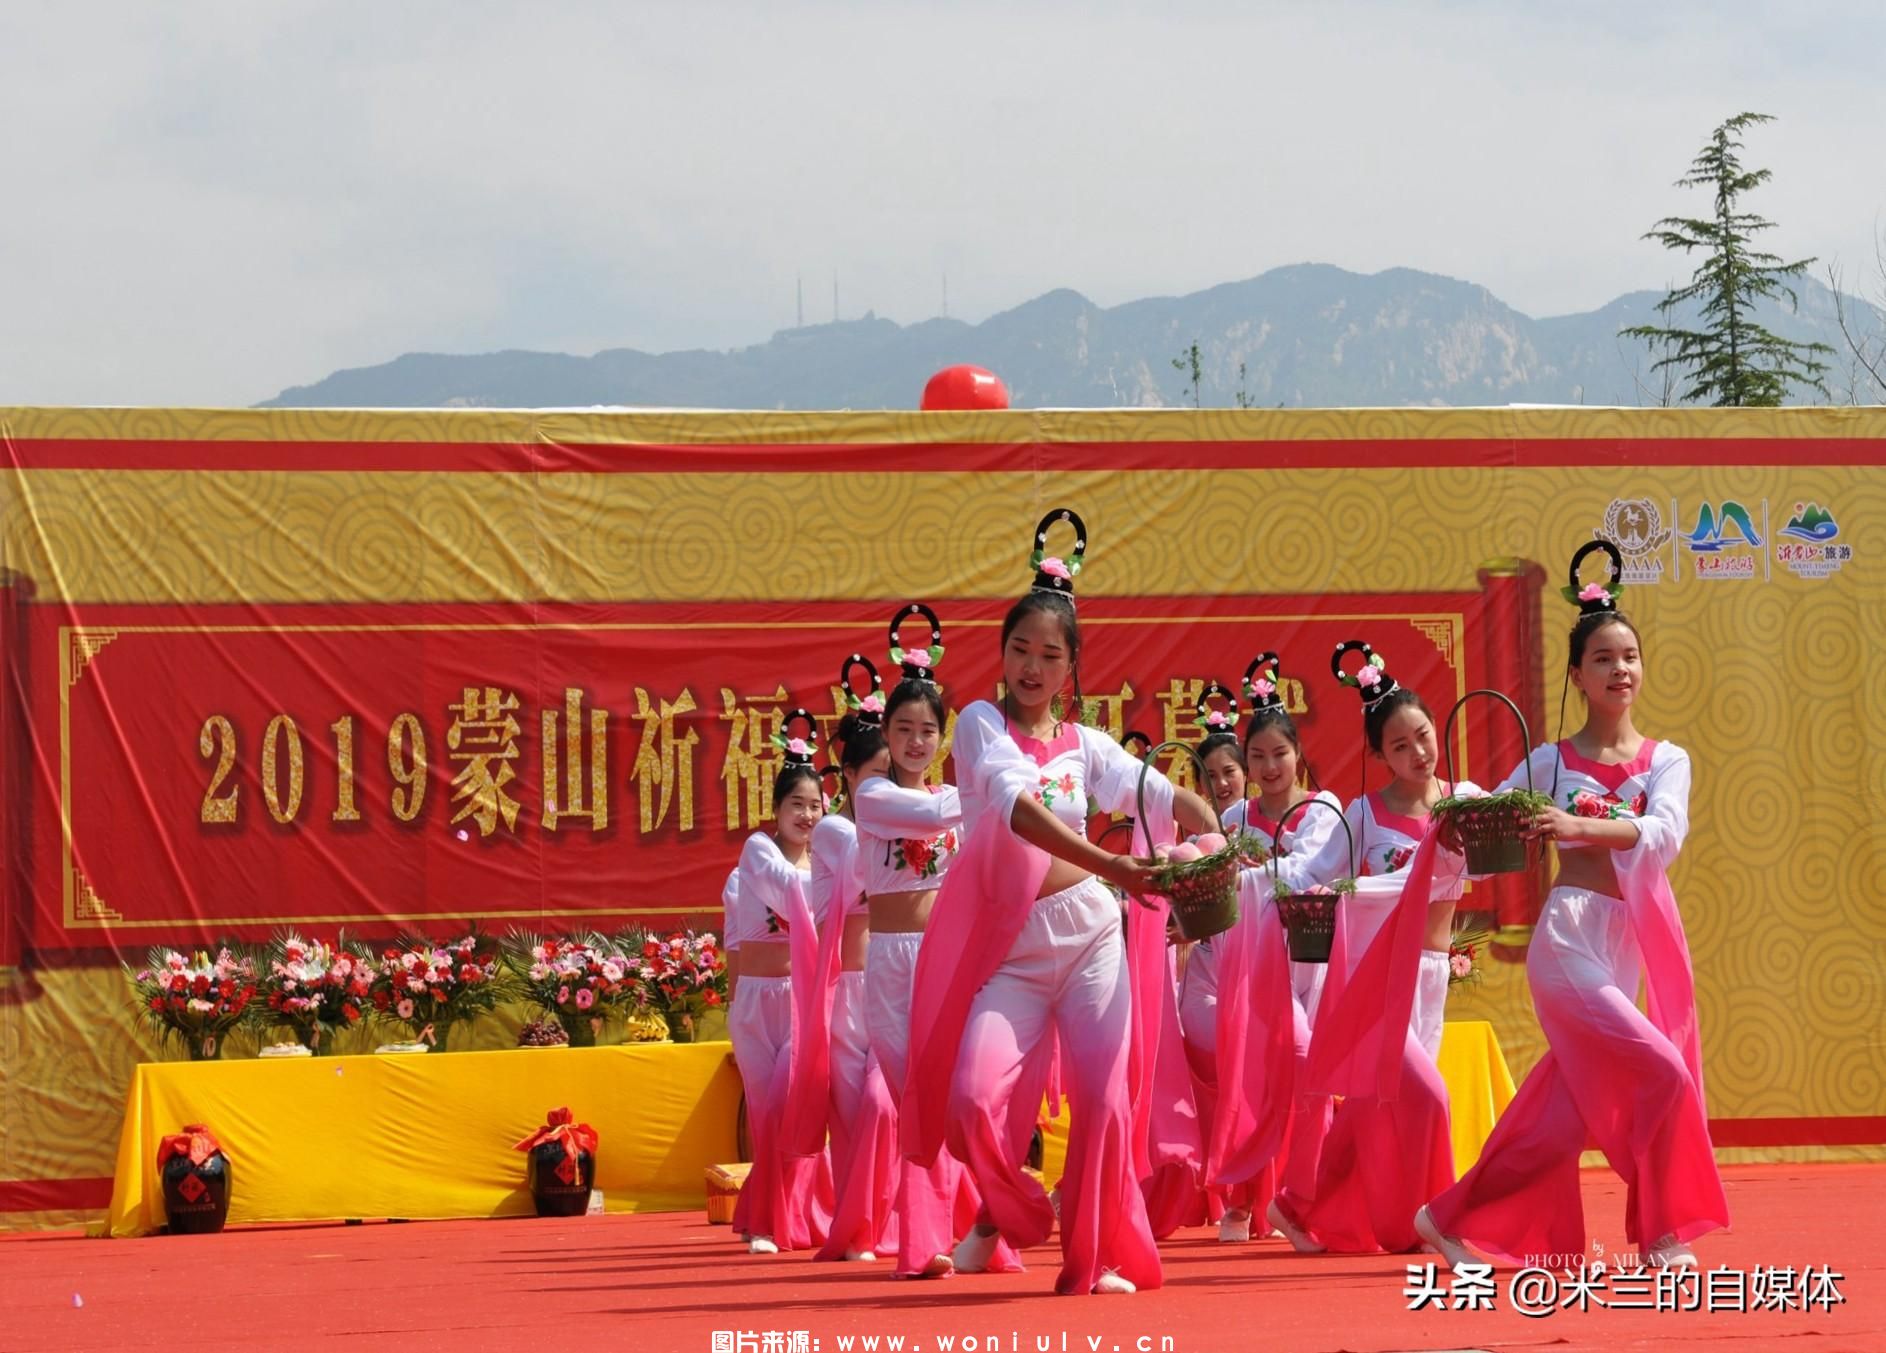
column 1555, row 824
column 1447, row 834
column 1129, row 875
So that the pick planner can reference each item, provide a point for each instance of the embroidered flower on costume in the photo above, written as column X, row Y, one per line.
column 1396, row 858
column 1052, row 789
column 924, row 856
column 1584, row 803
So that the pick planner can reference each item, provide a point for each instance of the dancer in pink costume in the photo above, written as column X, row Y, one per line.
column 786, row 1200
column 863, row 1116
column 1378, row 1019
column 1282, row 822
column 908, row 834
column 1025, row 941
column 1629, row 1081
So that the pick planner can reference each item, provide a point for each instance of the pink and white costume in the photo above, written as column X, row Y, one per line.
column 1233, row 1166
column 1376, row 1031
column 1632, row 1083
column 906, row 841
column 787, row 1196
column 863, row 1116
column 1004, row 972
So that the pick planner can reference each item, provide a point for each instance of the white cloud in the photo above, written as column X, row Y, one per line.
column 208, row 202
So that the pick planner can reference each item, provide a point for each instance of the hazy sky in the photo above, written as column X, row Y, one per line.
column 205, row 202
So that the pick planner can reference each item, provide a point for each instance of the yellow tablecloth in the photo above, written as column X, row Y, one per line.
column 1479, row 1087
column 429, row 1135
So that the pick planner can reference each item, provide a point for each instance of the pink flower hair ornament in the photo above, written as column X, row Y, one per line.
column 796, row 749
column 1056, row 573
column 868, row 707
column 918, row 664
column 1217, row 720
column 1371, row 679
column 1595, row 598
column 1260, row 682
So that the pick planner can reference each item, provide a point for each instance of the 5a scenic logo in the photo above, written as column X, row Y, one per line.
column 1636, row 527
column 1810, row 543
column 1726, row 541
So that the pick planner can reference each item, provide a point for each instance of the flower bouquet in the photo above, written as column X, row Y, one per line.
column 431, row 987
column 1464, row 961
column 195, row 998
column 579, row 981
column 686, row 975
column 314, row 988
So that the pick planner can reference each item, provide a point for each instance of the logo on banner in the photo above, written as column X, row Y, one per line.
column 1809, row 543
column 1726, row 541
column 1635, row 526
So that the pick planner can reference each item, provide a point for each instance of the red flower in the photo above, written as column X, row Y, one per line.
column 179, row 983
column 918, row 854
column 1639, row 803
column 350, row 1010
column 713, row 998
column 381, row 1000
column 1067, row 783
column 176, row 1002
column 468, row 973
column 200, row 987
column 651, row 950
column 1590, row 805
column 437, row 993
column 228, row 989
column 157, row 1003
column 275, row 1000
column 390, row 955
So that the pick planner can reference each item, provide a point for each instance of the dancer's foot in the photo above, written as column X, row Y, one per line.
column 1300, row 1240
column 1448, row 1247
column 762, row 1245
column 1054, row 1201
column 1234, row 1228
column 860, row 1257
column 1671, row 1253
column 974, row 1251
column 1112, row 1284
column 940, row 1266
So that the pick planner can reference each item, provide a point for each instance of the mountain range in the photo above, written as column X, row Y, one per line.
column 1308, row 335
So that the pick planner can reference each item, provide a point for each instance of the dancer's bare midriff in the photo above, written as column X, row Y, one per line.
column 900, row 913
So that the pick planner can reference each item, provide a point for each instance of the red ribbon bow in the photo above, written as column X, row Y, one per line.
column 195, row 1141
column 576, row 1137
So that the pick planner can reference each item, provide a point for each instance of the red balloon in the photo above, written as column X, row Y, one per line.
column 965, row 387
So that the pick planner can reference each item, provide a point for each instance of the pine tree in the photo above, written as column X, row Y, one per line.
column 1731, row 360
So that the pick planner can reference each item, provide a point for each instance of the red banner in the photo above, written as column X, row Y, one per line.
column 208, row 770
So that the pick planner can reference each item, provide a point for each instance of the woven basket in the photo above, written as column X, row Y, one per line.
column 723, row 1191
column 1309, row 919
column 1204, row 901
column 1491, row 837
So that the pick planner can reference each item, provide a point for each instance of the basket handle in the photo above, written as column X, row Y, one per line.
column 1140, row 792
column 1447, row 735
column 1342, row 820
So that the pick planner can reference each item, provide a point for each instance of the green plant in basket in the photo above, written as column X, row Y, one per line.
column 1491, row 828
column 1202, row 885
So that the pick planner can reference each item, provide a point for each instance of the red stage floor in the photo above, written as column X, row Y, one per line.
column 668, row 1282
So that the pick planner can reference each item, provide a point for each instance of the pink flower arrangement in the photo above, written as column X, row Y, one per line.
column 198, row 998
column 579, row 982
column 429, row 986
column 314, row 987
column 686, row 973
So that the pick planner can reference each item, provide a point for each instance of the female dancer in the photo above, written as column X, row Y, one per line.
column 786, row 1198
column 1634, row 1083
column 1379, row 1019
column 908, row 833
column 1283, row 824
column 863, row 1117
column 1024, row 940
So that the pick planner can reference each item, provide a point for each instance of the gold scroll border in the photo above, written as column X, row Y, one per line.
column 80, row 645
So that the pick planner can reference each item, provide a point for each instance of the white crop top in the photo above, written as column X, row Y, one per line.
column 755, row 896
column 1304, row 827
column 1652, row 790
column 906, row 837
column 1385, row 841
column 994, row 764
column 834, row 867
